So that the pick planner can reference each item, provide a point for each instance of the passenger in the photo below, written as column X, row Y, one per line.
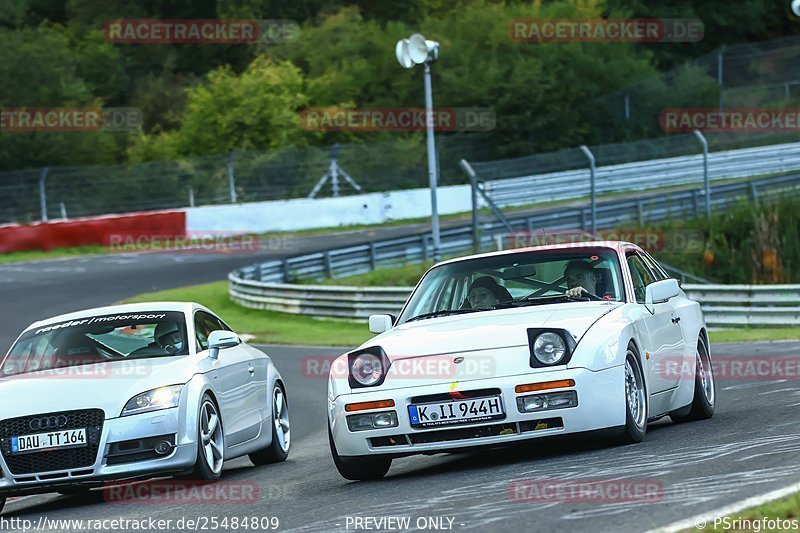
column 485, row 293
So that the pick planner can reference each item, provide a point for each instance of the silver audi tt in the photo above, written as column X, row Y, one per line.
column 134, row 391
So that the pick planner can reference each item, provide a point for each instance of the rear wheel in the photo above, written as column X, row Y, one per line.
column 210, row 442
column 705, row 391
column 278, row 450
column 635, row 400
column 2, row 503
column 359, row 468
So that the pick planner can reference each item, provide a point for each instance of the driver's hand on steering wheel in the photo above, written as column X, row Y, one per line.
column 577, row 292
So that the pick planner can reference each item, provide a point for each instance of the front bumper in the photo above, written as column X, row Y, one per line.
column 106, row 467
column 601, row 405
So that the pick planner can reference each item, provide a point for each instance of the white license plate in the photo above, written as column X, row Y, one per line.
column 69, row 438
column 456, row 412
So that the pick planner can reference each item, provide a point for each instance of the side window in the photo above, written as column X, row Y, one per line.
column 204, row 324
column 641, row 276
column 655, row 268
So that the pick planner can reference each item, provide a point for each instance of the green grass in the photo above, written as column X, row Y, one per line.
column 268, row 327
column 754, row 334
column 39, row 255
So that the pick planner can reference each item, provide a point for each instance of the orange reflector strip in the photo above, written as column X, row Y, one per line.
column 532, row 387
column 363, row 406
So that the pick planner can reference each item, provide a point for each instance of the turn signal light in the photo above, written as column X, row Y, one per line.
column 363, row 406
column 533, row 387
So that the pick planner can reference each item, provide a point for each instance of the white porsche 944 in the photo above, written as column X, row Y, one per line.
column 134, row 391
column 521, row 344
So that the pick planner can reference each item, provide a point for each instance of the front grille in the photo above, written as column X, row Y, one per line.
column 36, row 462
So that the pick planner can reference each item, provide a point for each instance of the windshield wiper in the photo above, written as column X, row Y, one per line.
column 444, row 312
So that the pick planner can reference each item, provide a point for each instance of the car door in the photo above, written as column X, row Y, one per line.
column 234, row 383
column 665, row 343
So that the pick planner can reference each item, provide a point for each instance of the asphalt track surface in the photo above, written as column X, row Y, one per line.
column 749, row 447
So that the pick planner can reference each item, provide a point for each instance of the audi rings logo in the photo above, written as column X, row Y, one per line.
column 49, row 422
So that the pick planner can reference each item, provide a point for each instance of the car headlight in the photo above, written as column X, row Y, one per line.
column 153, row 400
column 366, row 369
column 549, row 348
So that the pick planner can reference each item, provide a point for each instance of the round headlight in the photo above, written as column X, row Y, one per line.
column 549, row 348
column 367, row 369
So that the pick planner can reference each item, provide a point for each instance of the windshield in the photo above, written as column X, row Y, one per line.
column 510, row 280
column 96, row 340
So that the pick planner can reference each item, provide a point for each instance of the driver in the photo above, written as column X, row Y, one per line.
column 485, row 293
column 581, row 278
column 169, row 337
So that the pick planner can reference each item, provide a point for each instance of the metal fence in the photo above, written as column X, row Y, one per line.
column 611, row 213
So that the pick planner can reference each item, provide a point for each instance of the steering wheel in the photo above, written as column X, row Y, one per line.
column 586, row 295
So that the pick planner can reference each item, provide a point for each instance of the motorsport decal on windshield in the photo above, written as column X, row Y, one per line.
column 103, row 319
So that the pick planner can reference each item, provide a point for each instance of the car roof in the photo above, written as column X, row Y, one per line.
column 181, row 307
column 617, row 246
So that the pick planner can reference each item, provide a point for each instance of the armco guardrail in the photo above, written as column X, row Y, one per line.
column 747, row 305
column 642, row 175
column 611, row 213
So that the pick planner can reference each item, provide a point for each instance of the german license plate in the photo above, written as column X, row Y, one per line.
column 69, row 438
column 456, row 412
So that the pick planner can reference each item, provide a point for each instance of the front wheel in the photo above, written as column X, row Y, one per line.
column 210, row 442
column 359, row 468
column 705, row 392
column 2, row 503
column 278, row 450
column 635, row 400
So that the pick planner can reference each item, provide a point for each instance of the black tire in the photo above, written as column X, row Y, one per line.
column 278, row 450
column 359, row 468
column 2, row 503
column 636, row 408
column 705, row 390
column 202, row 470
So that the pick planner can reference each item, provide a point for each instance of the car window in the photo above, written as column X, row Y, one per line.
column 493, row 282
column 655, row 268
column 204, row 324
column 641, row 276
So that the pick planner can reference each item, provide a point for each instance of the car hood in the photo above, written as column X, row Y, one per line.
column 487, row 329
column 106, row 386
column 490, row 344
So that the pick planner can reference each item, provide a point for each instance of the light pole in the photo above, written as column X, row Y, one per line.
column 417, row 50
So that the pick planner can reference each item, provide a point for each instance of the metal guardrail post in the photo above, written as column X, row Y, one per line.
column 373, row 256
column 706, row 178
column 473, row 182
column 43, row 193
column 231, row 183
column 285, row 270
column 592, row 184
column 328, row 265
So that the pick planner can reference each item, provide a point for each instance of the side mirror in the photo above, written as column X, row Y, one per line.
column 221, row 339
column 380, row 323
column 661, row 291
